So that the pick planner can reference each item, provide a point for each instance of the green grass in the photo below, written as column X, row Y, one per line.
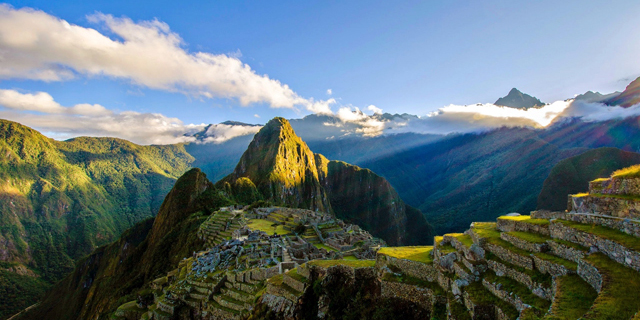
column 620, row 294
column 538, row 277
column 481, row 296
column 406, row 279
column 530, row 237
column 573, row 298
column 446, row 249
column 572, row 245
column 628, row 172
column 570, row 265
column 419, row 254
column 293, row 273
column 350, row 263
column 620, row 237
column 463, row 238
column 324, row 246
column 617, row 196
column 520, row 290
column 352, row 258
column 526, row 219
column 267, row 226
column 487, row 231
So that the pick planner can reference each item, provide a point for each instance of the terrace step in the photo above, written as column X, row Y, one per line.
column 539, row 283
column 528, row 241
column 572, row 300
column 523, row 223
column 619, row 246
column 515, row 293
column 483, row 304
column 618, row 288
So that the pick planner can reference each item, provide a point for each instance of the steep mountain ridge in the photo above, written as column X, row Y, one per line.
column 630, row 96
column 286, row 172
column 102, row 280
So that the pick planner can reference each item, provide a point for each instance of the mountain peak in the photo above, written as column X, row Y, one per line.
column 517, row 99
column 630, row 96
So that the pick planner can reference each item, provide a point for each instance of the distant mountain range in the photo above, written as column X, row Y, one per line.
column 517, row 99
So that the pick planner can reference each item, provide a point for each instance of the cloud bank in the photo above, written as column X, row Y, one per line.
column 473, row 118
column 41, row 111
column 36, row 45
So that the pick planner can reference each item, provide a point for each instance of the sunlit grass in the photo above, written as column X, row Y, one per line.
column 350, row 263
column 419, row 254
column 628, row 172
column 267, row 226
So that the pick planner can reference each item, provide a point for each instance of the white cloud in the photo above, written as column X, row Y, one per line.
column 374, row 109
column 36, row 45
column 594, row 111
column 92, row 120
column 256, row 115
column 219, row 133
column 329, row 92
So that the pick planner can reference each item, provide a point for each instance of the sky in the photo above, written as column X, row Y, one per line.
column 151, row 71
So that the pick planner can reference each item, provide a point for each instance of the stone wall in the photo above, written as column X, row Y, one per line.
column 611, row 206
column 513, row 299
column 565, row 252
column 424, row 297
column 285, row 308
column 612, row 249
column 590, row 274
column 508, row 225
column 411, row 268
column 631, row 227
column 507, row 255
column 551, row 268
column 619, row 186
column 293, row 283
column 523, row 244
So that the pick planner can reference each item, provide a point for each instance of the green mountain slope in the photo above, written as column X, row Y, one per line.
column 286, row 172
column 115, row 273
column 61, row 200
column 572, row 175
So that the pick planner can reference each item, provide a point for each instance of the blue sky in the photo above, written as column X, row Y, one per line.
column 412, row 57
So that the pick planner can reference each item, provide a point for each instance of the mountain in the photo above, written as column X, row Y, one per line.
column 113, row 273
column 517, row 99
column 572, row 175
column 285, row 171
column 628, row 97
column 591, row 96
column 60, row 200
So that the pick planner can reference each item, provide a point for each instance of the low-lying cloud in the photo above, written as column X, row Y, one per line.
column 219, row 133
column 36, row 45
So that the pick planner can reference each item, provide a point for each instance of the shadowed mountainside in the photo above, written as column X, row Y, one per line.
column 572, row 175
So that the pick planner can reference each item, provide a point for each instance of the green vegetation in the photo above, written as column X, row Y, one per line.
column 481, row 296
column 349, row 263
column 406, row 279
column 420, row 254
column 573, row 298
column 538, row 277
column 520, row 290
column 530, row 237
column 628, row 172
column 526, row 219
column 572, row 175
column 620, row 294
column 465, row 239
column 326, row 247
column 620, row 237
column 267, row 226
column 570, row 265
column 293, row 273
column 18, row 292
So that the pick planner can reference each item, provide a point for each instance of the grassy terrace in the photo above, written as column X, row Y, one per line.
column 520, row 290
column 530, row 237
column 620, row 237
column 557, row 260
column 446, row 249
column 572, row 245
column 350, row 263
column 419, row 254
column 267, row 226
column 324, row 246
column 481, row 296
column 488, row 231
column 617, row 196
column 403, row 278
column 620, row 294
column 538, row 277
column 628, row 172
column 293, row 273
column 526, row 219
column 463, row 238
column 573, row 298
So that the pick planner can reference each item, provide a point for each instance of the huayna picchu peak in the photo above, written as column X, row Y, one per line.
column 517, row 99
